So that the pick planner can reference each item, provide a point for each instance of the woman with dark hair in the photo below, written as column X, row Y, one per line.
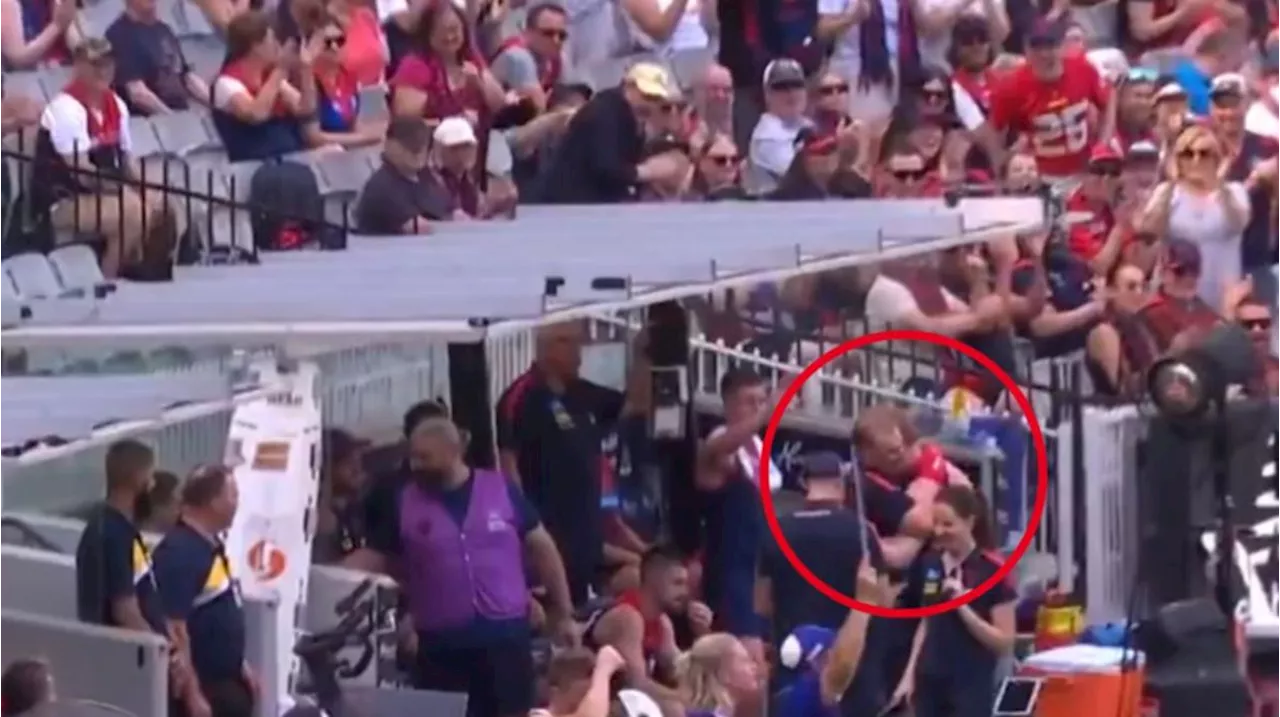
column 1112, row 348
column 829, row 109
column 445, row 75
column 25, row 685
column 939, row 19
column 971, row 55
column 952, row 668
column 811, row 172
column 718, row 169
column 257, row 110
column 337, row 118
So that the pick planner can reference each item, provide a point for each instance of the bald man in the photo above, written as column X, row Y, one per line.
column 552, row 426
column 460, row 537
column 712, row 104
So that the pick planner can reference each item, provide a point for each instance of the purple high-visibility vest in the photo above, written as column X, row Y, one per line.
column 456, row 573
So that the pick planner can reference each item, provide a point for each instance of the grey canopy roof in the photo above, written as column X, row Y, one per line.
column 469, row 279
column 71, row 408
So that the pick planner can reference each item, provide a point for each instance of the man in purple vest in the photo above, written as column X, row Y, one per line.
column 458, row 540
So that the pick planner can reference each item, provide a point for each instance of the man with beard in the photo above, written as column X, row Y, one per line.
column 1253, row 161
column 1057, row 99
column 115, row 585
column 460, row 536
column 638, row 625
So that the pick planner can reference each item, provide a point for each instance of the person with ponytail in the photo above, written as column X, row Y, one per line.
column 716, row 675
column 257, row 107
column 954, row 657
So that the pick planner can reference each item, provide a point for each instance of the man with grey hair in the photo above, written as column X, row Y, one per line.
column 459, row 537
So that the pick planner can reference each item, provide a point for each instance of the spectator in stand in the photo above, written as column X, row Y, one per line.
column 1198, row 205
column 402, row 196
column 465, row 583
column 970, row 58
column 445, row 76
column 340, row 528
column 83, row 167
column 675, row 188
column 580, row 683
column 1135, row 107
column 202, row 600
column 551, row 428
column 1141, row 171
column 877, row 55
column 812, row 170
column 1115, row 347
column 25, row 687
column 1176, row 308
column 257, row 109
column 716, row 675
column 666, row 27
column 903, row 173
column 337, row 121
column 638, row 625
column 454, row 148
column 957, row 653
column 718, row 170
column 1171, row 114
column 829, row 109
column 1263, row 117
column 938, row 20
column 1253, row 315
column 1021, row 174
column 1195, row 74
column 532, row 63
column 773, row 141
column 1051, row 98
column 152, row 76
column 220, row 13
column 1055, row 301
column 35, row 33
column 534, row 143
column 1099, row 238
column 115, row 585
column 712, row 105
column 600, row 159
column 363, row 53
column 1251, row 160
column 166, row 506
column 1163, row 24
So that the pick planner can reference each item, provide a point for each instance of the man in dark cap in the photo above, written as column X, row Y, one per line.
column 1176, row 311
column 829, row 539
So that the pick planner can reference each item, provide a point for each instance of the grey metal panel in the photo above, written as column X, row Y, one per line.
column 261, row 653
column 125, row 669
column 38, row 582
column 74, row 406
column 497, row 269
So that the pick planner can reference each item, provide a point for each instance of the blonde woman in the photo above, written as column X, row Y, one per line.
column 717, row 674
column 1198, row 204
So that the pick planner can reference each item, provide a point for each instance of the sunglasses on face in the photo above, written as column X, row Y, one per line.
column 1185, row 271
column 786, row 86
column 971, row 40
column 722, row 160
column 1197, row 154
column 933, row 94
column 1130, row 286
column 833, row 90
column 1106, row 171
column 908, row 175
column 553, row 34
column 335, row 42
column 1141, row 74
column 1255, row 324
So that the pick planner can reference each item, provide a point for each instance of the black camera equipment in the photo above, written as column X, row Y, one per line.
column 319, row 651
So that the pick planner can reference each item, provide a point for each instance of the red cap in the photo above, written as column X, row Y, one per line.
column 1103, row 152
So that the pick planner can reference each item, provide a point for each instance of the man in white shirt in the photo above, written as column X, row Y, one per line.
column 87, row 175
column 773, row 141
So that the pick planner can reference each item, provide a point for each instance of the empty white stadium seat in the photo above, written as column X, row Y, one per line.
column 184, row 133
column 143, row 133
column 33, row 276
column 238, row 176
column 373, row 102
column 76, row 267
column 25, row 84
column 204, row 54
column 343, row 173
column 230, row 228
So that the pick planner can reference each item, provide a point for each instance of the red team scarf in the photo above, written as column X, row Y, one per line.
column 102, row 117
column 253, row 82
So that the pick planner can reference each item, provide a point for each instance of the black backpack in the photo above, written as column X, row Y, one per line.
column 287, row 209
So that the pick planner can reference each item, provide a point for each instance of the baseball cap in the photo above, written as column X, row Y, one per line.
column 804, row 646
column 1103, row 152
column 95, row 51
column 1229, row 83
column 652, row 81
column 784, row 73
column 823, row 464
column 1182, row 255
column 1045, row 31
column 454, row 131
column 1142, row 150
column 1170, row 90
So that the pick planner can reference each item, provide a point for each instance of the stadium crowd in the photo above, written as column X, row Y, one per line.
column 1155, row 122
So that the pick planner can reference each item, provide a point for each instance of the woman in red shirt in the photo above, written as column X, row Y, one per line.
column 445, row 76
